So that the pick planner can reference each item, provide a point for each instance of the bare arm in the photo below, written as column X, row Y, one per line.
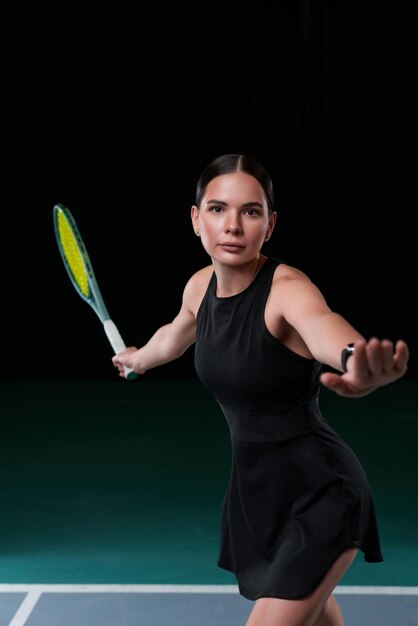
column 168, row 343
column 325, row 332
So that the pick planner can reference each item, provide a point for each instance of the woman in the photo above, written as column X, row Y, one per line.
column 298, row 505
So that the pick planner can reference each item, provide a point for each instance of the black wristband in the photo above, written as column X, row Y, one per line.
column 345, row 354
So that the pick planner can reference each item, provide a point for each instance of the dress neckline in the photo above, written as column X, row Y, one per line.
column 240, row 293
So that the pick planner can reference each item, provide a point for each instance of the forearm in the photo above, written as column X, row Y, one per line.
column 333, row 332
column 159, row 350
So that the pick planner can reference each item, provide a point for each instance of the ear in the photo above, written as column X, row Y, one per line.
column 194, row 214
column 272, row 223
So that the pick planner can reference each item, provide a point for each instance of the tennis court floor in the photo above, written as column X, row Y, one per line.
column 105, row 485
column 185, row 605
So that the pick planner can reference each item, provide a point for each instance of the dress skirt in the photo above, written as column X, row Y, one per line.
column 290, row 509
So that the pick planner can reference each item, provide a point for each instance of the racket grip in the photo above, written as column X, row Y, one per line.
column 118, row 345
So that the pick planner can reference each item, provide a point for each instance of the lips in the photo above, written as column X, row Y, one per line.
column 230, row 244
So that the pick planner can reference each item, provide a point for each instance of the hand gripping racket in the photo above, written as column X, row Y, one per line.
column 79, row 268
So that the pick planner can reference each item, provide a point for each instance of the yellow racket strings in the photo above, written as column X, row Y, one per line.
column 72, row 254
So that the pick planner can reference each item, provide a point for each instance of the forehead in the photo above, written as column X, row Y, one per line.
column 235, row 187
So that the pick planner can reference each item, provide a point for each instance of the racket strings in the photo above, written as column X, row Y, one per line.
column 73, row 254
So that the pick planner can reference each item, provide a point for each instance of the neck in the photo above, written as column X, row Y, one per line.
column 233, row 280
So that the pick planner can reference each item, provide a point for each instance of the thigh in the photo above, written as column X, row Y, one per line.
column 302, row 612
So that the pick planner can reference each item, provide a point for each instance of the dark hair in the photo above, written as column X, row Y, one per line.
column 230, row 163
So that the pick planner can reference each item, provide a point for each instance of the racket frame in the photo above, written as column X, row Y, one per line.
column 94, row 297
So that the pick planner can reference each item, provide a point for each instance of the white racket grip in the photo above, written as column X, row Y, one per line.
column 117, row 344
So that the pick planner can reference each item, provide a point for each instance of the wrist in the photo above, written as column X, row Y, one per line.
column 345, row 355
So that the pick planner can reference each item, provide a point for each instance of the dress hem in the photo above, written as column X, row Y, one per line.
column 373, row 558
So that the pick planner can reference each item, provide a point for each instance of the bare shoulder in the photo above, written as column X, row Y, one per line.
column 285, row 274
column 196, row 287
column 291, row 288
column 292, row 297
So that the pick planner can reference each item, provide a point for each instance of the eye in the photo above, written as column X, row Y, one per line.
column 216, row 208
column 253, row 212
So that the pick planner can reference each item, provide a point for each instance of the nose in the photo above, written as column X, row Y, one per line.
column 233, row 225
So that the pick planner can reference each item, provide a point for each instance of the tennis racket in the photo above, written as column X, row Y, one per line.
column 79, row 268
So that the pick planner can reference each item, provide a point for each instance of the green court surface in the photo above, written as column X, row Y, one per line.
column 123, row 482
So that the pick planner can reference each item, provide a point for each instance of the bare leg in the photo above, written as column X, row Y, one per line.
column 304, row 612
column 330, row 615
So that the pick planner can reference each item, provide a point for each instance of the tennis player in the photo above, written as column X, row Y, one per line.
column 298, row 506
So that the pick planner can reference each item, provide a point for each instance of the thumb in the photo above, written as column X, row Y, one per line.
column 330, row 380
column 120, row 358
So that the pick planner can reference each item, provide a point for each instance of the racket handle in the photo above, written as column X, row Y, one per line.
column 117, row 344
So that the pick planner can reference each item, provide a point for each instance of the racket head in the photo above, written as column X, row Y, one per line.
column 77, row 263
column 73, row 253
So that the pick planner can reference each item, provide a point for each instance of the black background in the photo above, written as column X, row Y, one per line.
column 118, row 125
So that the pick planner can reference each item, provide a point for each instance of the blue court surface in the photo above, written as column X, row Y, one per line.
column 185, row 605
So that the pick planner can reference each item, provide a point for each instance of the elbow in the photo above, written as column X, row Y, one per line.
column 172, row 350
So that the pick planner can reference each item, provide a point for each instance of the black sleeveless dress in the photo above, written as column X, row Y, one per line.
column 297, row 495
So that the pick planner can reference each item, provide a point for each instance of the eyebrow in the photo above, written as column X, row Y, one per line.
column 246, row 204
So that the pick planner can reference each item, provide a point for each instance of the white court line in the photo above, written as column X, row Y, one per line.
column 89, row 588
column 25, row 608
column 382, row 591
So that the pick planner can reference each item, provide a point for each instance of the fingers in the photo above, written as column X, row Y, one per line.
column 126, row 358
column 119, row 361
column 120, row 368
column 374, row 355
column 401, row 356
column 360, row 359
column 381, row 357
column 374, row 363
column 387, row 355
column 120, row 357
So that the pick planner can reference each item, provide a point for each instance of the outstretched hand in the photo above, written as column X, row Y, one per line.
column 373, row 364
